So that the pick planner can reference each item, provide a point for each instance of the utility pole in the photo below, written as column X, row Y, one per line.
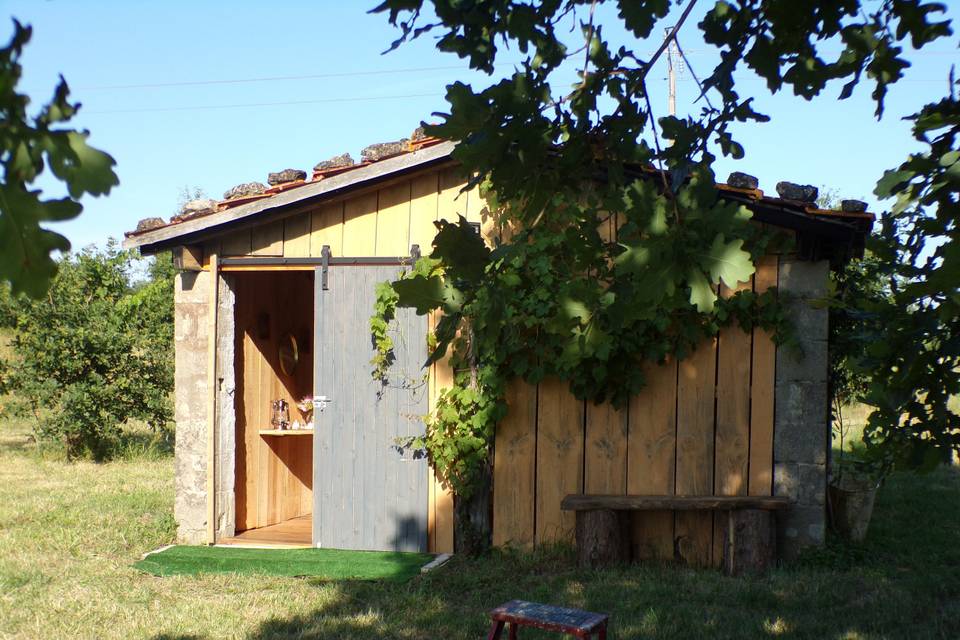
column 674, row 63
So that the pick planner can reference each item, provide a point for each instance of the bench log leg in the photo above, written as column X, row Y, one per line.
column 602, row 538
column 749, row 542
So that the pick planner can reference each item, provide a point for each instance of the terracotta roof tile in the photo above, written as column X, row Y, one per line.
column 320, row 174
column 862, row 219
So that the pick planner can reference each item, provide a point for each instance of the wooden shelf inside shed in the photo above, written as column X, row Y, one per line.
column 286, row 432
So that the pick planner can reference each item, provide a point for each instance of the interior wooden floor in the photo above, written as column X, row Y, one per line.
column 290, row 534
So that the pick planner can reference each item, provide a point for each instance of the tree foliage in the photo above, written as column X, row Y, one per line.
column 97, row 351
column 556, row 296
column 28, row 145
column 913, row 356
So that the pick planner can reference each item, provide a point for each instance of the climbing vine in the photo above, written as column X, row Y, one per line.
column 563, row 165
column 561, row 298
column 384, row 310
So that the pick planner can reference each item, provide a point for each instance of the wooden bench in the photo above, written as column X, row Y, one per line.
column 603, row 533
column 575, row 622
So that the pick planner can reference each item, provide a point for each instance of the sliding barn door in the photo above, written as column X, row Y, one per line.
column 367, row 493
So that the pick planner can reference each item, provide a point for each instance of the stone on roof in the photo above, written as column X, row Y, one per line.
column 382, row 150
column 149, row 223
column 287, row 175
column 853, row 206
column 336, row 162
column 245, row 189
column 741, row 180
column 798, row 192
column 200, row 205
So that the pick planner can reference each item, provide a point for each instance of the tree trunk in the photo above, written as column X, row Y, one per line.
column 602, row 539
column 473, row 529
column 749, row 542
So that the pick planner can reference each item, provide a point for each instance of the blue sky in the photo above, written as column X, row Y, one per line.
column 344, row 95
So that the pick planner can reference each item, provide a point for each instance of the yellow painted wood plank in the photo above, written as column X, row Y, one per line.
column 393, row 220
column 605, row 458
column 651, row 459
column 477, row 211
column 360, row 226
column 559, row 459
column 475, row 205
column 267, row 239
column 443, row 379
column 513, row 468
column 695, row 433
column 762, row 392
column 444, row 519
column 732, row 440
column 247, row 466
column 251, row 268
column 452, row 203
column 733, row 408
column 236, row 243
column 296, row 236
column 431, row 476
column 424, row 204
column 431, row 510
column 326, row 228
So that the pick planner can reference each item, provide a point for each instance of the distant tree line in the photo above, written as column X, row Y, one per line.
column 95, row 352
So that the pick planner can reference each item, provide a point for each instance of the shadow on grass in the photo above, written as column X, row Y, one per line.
column 903, row 582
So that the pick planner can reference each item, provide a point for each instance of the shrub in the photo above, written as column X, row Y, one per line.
column 8, row 307
column 97, row 351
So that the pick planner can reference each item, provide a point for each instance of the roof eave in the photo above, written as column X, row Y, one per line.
column 192, row 230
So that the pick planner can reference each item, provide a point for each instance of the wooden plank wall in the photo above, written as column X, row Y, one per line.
column 274, row 474
column 703, row 426
column 381, row 221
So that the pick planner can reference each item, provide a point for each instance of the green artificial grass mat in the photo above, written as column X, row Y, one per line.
column 326, row 564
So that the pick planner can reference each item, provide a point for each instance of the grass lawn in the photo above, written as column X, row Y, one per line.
column 70, row 534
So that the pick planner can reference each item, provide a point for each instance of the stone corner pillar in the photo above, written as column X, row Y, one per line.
column 191, row 308
column 801, row 421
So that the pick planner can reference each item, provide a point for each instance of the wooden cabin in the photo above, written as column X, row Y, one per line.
column 273, row 300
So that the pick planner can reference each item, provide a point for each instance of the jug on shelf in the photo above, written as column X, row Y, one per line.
column 280, row 414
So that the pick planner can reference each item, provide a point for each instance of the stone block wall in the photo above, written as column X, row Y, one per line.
column 801, row 424
column 191, row 412
column 191, row 322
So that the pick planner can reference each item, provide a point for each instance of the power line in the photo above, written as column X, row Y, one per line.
column 315, row 76
column 211, row 107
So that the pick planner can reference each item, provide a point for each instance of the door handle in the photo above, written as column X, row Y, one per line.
column 321, row 402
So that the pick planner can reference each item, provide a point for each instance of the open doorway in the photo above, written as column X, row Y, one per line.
column 274, row 354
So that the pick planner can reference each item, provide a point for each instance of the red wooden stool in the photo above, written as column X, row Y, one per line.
column 575, row 622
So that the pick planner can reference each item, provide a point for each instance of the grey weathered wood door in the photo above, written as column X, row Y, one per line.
column 366, row 493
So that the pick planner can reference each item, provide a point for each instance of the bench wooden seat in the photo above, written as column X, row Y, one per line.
column 585, row 502
column 574, row 622
column 603, row 529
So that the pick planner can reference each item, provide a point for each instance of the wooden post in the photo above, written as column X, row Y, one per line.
column 749, row 542
column 212, row 400
column 602, row 538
